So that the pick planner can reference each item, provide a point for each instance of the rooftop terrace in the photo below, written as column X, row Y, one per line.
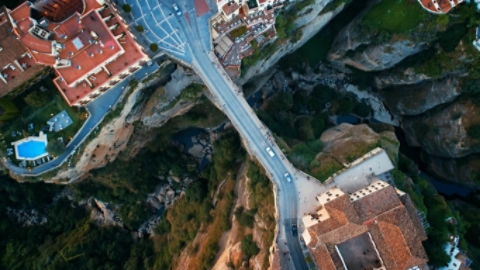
column 360, row 253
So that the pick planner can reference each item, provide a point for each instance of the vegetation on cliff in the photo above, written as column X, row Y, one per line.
column 437, row 212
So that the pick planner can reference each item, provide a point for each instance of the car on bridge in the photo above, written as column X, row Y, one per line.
column 177, row 10
column 270, row 152
column 288, row 177
column 294, row 229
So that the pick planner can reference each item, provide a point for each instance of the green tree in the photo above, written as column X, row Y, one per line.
column 139, row 28
column 442, row 19
column 346, row 105
column 474, row 131
column 197, row 191
column 154, row 47
column 37, row 99
column 249, row 247
column 245, row 218
column 238, row 32
column 127, row 8
column 55, row 147
column 362, row 109
column 134, row 215
column 8, row 110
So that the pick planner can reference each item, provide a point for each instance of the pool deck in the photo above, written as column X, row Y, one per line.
column 40, row 138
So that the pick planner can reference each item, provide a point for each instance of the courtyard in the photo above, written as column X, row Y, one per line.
column 35, row 107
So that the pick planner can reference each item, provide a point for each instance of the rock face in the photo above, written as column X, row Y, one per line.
column 442, row 132
column 26, row 218
column 103, row 213
column 363, row 49
column 345, row 142
column 311, row 23
column 418, row 98
column 464, row 170
column 113, row 138
column 373, row 57
column 399, row 77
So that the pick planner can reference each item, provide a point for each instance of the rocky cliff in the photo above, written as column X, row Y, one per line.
column 310, row 23
column 464, row 170
column 373, row 41
column 442, row 132
column 347, row 142
column 114, row 136
column 353, row 48
column 413, row 99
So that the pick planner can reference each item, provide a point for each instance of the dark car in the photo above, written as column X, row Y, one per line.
column 294, row 229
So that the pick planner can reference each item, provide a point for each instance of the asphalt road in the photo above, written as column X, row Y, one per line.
column 249, row 127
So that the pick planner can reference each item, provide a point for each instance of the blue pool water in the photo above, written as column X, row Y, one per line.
column 31, row 149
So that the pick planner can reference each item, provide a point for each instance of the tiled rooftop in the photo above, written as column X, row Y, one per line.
column 439, row 6
column 58, row 10
column 391, row 221
column 90, row 56
column 12, row 50
column 85, row 49
column 230, row 8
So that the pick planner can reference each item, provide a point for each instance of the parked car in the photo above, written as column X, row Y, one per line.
column 177, row 10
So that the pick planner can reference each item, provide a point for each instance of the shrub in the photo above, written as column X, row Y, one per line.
column 37, row 99
column 362, row 109
column 245, row 218
column 442, row 19
column 154, row 47
column 346, row 105
column 249, row 247
column 449, row 39
column 139, row 28
column 238, row 32
column 55, row 147
column 127, row 8
column 474, row 131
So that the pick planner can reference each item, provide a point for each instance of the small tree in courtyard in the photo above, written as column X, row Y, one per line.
column 154, row 47
column 127, row 8
column 139, row 28
column 55, row 147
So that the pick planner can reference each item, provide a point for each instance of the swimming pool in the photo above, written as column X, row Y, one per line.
column 31, row 149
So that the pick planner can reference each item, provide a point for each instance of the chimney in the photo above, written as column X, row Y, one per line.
column 79, row 67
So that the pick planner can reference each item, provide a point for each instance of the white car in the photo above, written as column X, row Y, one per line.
column 287, row 176
column 270, row 152
column 177, row 10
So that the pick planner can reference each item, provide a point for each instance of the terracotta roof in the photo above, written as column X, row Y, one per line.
column 376, row 203
column 88, row 43
column 440, row 6
column 230, row 8
column 395, row 243
column 13, row 49
column 393, row 226
column 323, row 258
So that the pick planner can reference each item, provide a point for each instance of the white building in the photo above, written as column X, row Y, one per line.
column 476, row 42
